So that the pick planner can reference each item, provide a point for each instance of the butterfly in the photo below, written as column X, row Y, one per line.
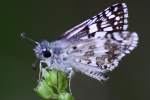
column 93, row 47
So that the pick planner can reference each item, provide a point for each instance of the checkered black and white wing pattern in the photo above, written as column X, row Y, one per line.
column 99, row 43
column 112, row 19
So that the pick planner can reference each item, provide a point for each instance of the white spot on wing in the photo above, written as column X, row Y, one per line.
column 84, row 38
column 125, row 27
column 124, row 5
column 134, row 39
column 125, row 21
column 117, row 28
column 125, row 10
column 115, row 63
column 125, row 15
column 112, row 16
column 117, row 18
column 100, row 34
column 135, row 36
column 116, row 8
column 115, row 23
column 108, row 29
column 131, row 47
column 115, row 4
column 125, row 34
column 107, row 9
column 121, row 55
column 105, row 25
column 121, row 22
column 93, row 28
column 109, row 14
column 127, row 51
column 117, row 36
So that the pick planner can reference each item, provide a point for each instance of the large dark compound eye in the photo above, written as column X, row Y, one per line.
column 46, row 53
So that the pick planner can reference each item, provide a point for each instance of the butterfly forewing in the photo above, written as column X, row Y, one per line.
column 112, row 19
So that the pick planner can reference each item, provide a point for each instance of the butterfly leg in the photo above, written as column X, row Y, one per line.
column 70, row 73
column 41, row 70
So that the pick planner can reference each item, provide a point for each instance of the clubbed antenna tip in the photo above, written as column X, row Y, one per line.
column 23, row 35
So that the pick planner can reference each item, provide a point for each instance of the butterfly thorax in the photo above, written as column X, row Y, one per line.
column 53, row 54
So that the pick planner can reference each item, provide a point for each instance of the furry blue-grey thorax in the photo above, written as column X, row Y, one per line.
column 53, row 55
column 51, row 52
column 53, row 48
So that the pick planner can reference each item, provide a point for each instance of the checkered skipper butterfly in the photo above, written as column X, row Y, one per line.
column 93, row 47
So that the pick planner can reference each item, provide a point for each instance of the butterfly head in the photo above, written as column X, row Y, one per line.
column 43, row 51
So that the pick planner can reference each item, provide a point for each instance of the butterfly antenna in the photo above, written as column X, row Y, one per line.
column 23, row 35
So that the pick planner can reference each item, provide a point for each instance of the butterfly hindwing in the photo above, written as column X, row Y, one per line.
column 102, row 54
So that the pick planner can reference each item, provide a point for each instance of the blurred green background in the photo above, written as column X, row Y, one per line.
column 48, row 19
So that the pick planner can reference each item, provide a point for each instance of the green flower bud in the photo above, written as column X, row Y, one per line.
column 53, row 85
column 44, row 91
column 65, row 96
